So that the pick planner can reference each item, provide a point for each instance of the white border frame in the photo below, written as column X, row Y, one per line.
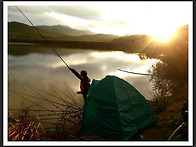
column 81, row 143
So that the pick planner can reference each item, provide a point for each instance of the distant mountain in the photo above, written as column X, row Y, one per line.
column 65, row 30
column 97, row 37
column 134, row 39
column 18, row 30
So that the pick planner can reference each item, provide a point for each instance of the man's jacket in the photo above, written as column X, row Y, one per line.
column 84, row 83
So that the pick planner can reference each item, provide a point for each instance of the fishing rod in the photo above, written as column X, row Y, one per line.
column 61, row 113
column 64, row 95
column 19, row 93
column 47, row 99
column 33, row 102
column 70, row 96
column 68, row 88
column 38, row 110
column 134, row 72
column 49, row 114
column 70, row 104
column 42, row 37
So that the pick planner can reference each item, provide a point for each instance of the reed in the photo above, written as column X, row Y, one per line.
column 61, row 121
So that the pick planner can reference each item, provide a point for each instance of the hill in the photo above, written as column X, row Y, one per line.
column 66, row 30
column 133, row 39
column 18, row 30
column 23, row 31
column 97, row 37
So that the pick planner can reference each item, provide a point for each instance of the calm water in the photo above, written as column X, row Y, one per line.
column 35, row 72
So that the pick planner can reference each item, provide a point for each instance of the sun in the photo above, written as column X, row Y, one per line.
column 163, row 35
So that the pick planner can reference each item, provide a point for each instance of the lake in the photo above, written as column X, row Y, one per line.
column 36, row 73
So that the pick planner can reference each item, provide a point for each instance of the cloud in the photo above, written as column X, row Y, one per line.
column 106, row 17
column 13, row 16
column 37, row 15
column 30, row 10
column 82, row 12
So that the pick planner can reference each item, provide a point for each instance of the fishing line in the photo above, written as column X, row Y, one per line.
column 42, row 36
column 70, row 104
column 134, row 72
column 57, row 93
column 38, row 110
column 68, row 88
column 32, row 102
column 46, row 99
column 37, row 97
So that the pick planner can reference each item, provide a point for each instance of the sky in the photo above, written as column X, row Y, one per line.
column 108, row 17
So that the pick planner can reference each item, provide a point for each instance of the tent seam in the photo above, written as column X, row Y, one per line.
column 117, row 105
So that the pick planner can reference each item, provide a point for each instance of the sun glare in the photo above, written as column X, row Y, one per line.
column 163, row 35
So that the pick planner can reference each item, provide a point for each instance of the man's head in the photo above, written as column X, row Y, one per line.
column 83, row 74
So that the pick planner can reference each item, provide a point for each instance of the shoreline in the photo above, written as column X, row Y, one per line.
column 113, row 46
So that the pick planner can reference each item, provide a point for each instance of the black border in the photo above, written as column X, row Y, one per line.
column 1, row 72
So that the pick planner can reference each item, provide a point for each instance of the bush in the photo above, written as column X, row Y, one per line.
column 161, row 104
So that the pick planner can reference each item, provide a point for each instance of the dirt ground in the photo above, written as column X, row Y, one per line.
column 166, row 122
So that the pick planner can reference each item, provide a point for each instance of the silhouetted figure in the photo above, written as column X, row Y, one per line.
column 84, row 83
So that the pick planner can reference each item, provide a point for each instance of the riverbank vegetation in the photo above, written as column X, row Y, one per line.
column 170, row 87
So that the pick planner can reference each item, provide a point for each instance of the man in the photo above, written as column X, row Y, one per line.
column 84, row 83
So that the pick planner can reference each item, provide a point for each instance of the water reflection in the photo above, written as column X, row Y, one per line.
column 40, row 67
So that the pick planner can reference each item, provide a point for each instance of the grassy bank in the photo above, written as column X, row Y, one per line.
column 166, row 120
column 159, row 131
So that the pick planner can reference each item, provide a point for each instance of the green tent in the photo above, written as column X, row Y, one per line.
column 115, row 110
